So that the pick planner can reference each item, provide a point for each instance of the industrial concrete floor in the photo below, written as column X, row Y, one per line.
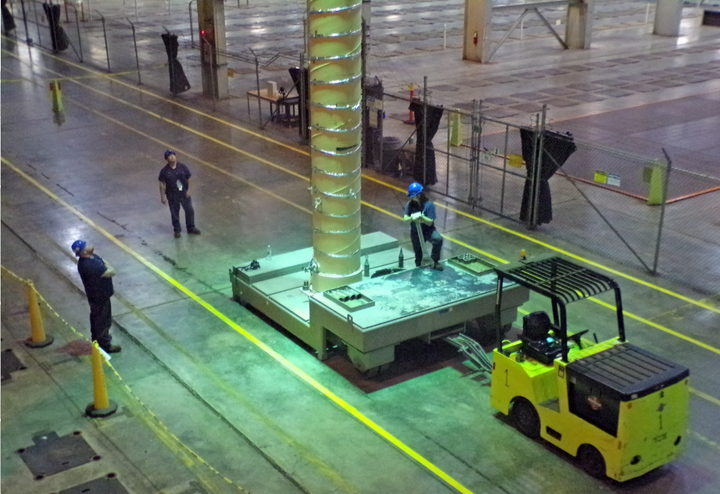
column 214, row 398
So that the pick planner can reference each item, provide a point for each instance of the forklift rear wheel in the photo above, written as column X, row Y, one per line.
column 525, row 417
column 592, row 461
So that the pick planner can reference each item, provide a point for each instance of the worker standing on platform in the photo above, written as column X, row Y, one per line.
column 421, row 211
column 96, row 276
column 174, row 182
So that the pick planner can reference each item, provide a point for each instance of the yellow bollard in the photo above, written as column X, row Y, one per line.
column 38, row 338
column 101, row 406
column 455, row 139
column 56, row 92
column 654, row 176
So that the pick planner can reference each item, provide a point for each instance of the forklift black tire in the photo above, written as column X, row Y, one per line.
column 525, row 417
column 592, row 461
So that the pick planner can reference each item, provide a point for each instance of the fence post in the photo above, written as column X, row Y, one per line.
column 257, row 81
column 506, row 159
column 666, row 185
column 107, row 51
column 192, row 33
column 28, row 39
column 424, row 147
column 137, row 59
column 474, row 153
column 37, row 24
column 77, row 25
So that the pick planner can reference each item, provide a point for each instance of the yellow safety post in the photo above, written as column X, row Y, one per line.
column 56, row 92
column 515, row 160
column 101, row 406
column 655, row 177
column 455, row 139
column 38, row 338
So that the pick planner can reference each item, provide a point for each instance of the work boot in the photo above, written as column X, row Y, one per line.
column 113, row 349
column 178, row 234
column 438, row 267
column 194, row 231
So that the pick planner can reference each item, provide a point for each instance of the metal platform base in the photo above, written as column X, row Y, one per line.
column 374, row 315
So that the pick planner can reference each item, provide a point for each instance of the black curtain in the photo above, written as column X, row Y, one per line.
column 59, row 39
column 557, row 148
column 424, row 169
column 7, row 17
column 178, row 81
column 303, row 90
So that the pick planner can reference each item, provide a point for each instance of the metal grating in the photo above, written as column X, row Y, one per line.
column 557, row 278
column 10, row 363
column 104, row 485
column 52, row 454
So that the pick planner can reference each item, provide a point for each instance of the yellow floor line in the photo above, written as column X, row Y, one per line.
column 704, row 396
column 301, row 151
column 660, row 327
column 269, row 351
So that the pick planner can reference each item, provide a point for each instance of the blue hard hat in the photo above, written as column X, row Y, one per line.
column 414, row 189
column 168, row 153
column 78, row 246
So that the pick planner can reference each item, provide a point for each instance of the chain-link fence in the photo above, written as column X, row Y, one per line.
column 607, row 200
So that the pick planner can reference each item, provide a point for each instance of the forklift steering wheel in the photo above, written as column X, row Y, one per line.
column 576, row 338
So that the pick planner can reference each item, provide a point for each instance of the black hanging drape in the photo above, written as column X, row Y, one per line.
column 557, row 148
column 302, row 87
column 424, row 169
column 7, row 17
column 178, row 81
column 59, row 39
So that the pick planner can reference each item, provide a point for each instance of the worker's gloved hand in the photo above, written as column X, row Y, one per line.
column 416, row 216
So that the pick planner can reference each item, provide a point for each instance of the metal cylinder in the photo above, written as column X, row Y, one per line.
column 335, row 73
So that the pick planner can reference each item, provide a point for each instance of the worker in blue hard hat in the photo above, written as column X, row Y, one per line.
column 96, row 276
column 420, row 213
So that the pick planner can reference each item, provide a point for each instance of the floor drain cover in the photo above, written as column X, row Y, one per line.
column 104, row 485
column 52, row 454
column 10, row 363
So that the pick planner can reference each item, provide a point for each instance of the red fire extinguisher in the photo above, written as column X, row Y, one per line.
column 475, row 40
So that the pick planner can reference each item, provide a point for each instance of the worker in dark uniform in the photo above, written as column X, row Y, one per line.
column 421, row 210
column 96, row 276
column 174, row 182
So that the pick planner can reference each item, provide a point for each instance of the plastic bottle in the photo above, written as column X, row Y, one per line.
column 401, row 259
column 269, row 253
column 366, row 267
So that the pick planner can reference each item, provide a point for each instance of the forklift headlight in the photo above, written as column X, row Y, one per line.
column 635, row 460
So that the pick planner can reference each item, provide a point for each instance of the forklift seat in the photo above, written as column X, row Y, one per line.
column 536, row 326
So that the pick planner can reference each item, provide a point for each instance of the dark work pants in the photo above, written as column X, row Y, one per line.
column 100, row 322
column 186, row 203
column 435, row 239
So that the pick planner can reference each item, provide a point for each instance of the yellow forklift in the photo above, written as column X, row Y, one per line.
column 620, row 410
